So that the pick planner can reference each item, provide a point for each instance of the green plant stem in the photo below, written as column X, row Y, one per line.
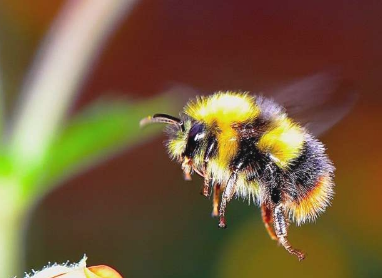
column 11, row 230
column 65, row 58
column 10, row 245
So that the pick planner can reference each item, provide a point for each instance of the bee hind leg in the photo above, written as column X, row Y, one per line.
column 266, row 214
column 281, row 229
column 227, row 195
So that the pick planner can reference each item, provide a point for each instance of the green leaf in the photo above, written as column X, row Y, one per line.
column 94, row 135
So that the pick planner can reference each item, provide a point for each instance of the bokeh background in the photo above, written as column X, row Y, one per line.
column 136, row 213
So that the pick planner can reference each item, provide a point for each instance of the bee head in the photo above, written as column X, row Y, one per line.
column 185, row 138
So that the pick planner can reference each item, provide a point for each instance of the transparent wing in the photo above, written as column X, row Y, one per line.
column 317, row 102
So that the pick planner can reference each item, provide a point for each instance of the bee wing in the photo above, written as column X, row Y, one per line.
column 317, row 102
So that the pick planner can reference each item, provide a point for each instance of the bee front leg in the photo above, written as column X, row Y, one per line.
column 216, row 197
column 281, row 229
column 206, row 186
column 228, row 193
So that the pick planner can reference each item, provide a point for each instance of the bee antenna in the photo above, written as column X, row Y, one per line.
column 162, row 118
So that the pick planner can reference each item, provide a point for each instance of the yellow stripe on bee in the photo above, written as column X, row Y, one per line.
column 223, row 108
column 314, row 203
column 228, row 145
column 218, row 171
column 284, row 141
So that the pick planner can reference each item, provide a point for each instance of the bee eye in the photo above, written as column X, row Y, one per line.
column 196, row 132
column 195, row 136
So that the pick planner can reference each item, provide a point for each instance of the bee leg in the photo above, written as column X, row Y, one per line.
column 281, row 229
column 228, row 193
column 266, row 214
column 206, row 186
column 187, row 168
column 210, row 151
column 215, row 204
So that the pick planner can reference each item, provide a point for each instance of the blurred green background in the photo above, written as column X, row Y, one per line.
column 135, row 212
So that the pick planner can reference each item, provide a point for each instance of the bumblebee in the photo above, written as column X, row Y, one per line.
column 247, row 146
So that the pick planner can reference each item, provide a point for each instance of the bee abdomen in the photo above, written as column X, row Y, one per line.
column 312, row 174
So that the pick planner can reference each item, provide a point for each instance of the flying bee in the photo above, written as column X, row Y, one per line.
column 261, row 149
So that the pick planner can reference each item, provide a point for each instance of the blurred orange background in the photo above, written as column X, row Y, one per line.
column 137, row 214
